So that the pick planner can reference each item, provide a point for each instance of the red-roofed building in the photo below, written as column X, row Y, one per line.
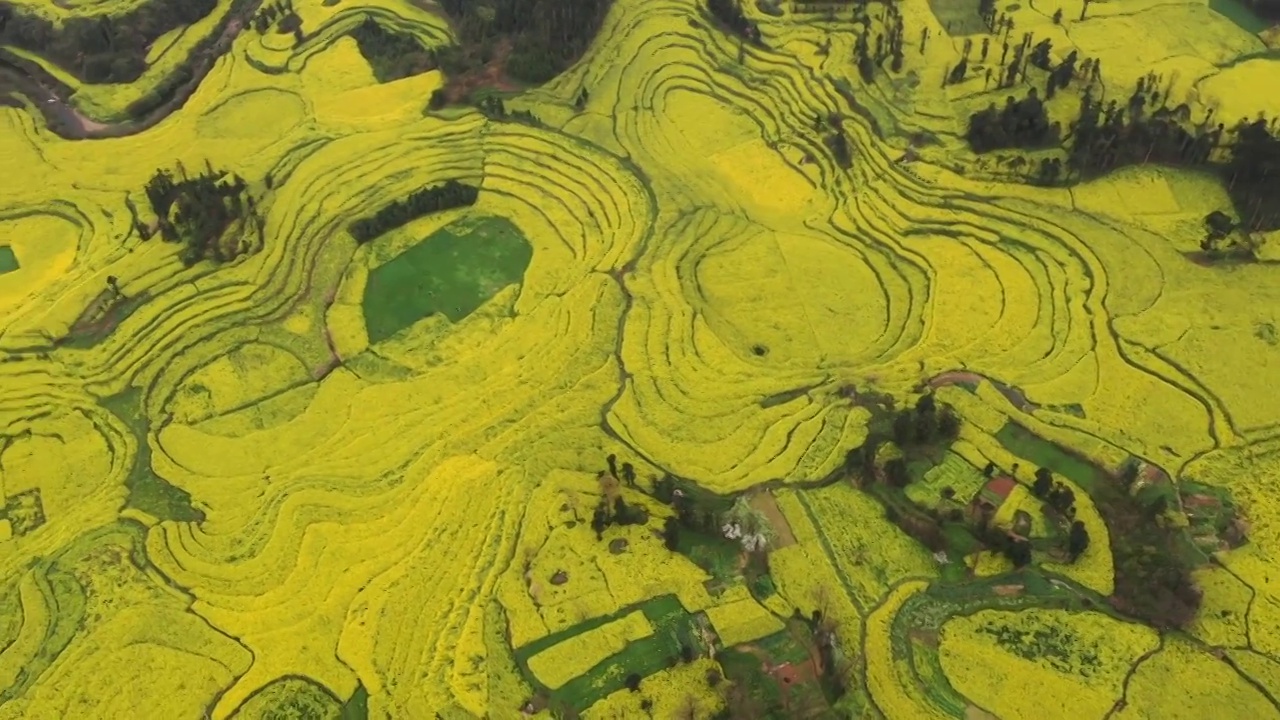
column 991, row 497
column 997, row 490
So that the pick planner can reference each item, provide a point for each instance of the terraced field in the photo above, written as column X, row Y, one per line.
column 341, row 479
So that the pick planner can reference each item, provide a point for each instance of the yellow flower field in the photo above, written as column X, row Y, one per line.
column 1182, row 681
column 222, row 473
column 1076, row 660
column 868, row 549
column 681, row 691
column 742, row 621
column 889, row 678
column 806, row 577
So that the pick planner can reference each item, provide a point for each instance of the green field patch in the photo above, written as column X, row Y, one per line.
column 149, row 492
column 959, row 17
column 673, row 628
column 291, row 697
column 777, row 673
column 451, row 272
column 1240, row 14
column 357, row 706
column 8, row 261
column 1034, row 449
column 101, row 317
column 713, row 553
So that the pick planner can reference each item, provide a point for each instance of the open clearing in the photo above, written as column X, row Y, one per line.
column 338, row 479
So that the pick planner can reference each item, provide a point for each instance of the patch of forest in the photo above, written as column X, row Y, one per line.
column 1154, row 565
column 100, row 49
column 545, row 36
column 451, row 194
column 211, row 214
column 1144, row 130
column 391, row 55
column 729, row 13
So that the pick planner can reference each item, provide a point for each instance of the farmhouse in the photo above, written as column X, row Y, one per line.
column 990, row 497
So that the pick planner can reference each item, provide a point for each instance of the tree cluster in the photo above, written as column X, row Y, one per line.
column 392, row 55
column 1145, row 129
column 1253, row 176
column 612, row 509
column 1063, row 500
column 99, row 48
column 836, row 141
column 1016, row 549
column 1222, row 239
column 729, row 13
column 199, row 212
column 546, row 36
column 1153, row 573
column 279, row 15
column 690, row 515
column 888, row 46
column 618, row 513
column 1020, row 123
column 1032, row 131
column 1153, row 570
column 451, row 194
column 493, row 108
column 1057, row 495
column 915, row 429
column 926, row 424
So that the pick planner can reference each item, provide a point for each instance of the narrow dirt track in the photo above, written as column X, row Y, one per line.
column 67, row 122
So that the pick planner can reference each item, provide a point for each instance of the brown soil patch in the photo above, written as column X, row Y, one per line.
column 928, row 638
column 492, row 74
column 1007, row 590
column 768, row 506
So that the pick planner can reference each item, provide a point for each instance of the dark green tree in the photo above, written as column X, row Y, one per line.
column 1077, row 540
column 1043, row 484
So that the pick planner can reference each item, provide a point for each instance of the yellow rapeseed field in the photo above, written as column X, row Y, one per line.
column 889, row 677
column 1183, row 681
column 741, row 621
column 868, row 549
column 808, row 580
column 224, row 475
column 681, row 691
column 1075, row 660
